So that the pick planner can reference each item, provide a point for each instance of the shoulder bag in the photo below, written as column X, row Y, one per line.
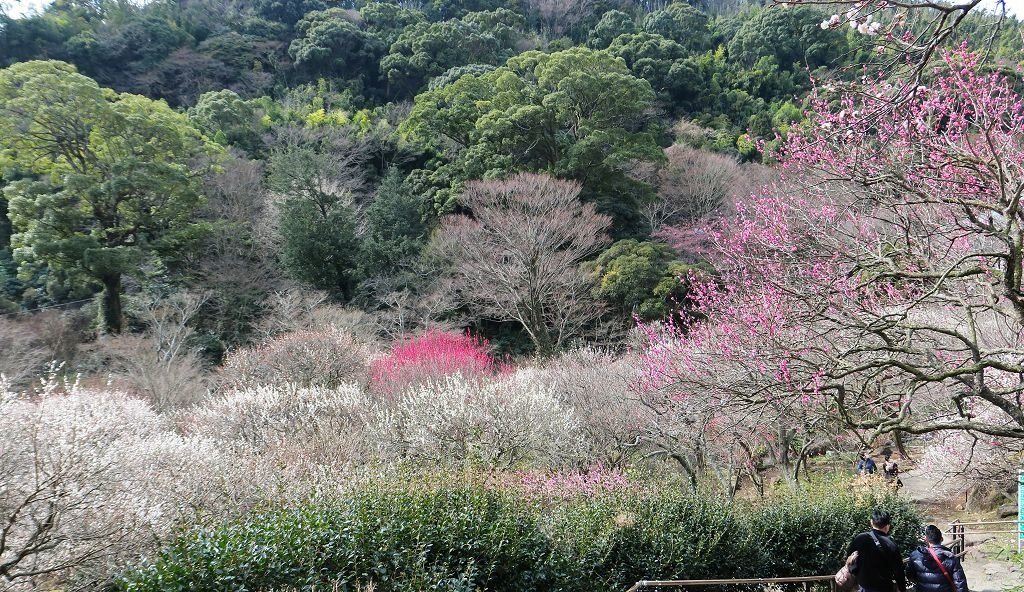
column 846, row 581
column 942, row 568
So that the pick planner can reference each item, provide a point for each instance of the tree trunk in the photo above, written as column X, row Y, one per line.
column 901, row 445
column 110, row 306
column 688, row 468
column 540, row 335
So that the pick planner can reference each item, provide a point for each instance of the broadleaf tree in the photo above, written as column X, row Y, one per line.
column 114, row 177
column 577, row 114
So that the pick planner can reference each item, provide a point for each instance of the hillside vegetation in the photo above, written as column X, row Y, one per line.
column 496, row 294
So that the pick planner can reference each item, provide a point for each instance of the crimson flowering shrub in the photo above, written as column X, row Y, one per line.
column 431, row 357
column 324, row 358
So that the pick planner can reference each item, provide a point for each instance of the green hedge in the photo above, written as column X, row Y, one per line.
column 466, row 538
column 813, row 530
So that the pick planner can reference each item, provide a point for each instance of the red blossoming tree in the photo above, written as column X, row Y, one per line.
column 432, row 357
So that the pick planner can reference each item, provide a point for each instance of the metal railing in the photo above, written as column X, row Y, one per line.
column 958, row 532
column 805, row 580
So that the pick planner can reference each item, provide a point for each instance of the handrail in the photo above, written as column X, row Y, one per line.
column 958, row 530
column 984, row 522
column 685, row 583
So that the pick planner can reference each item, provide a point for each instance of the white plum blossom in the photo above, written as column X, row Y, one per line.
column 509, row 422
column 91, row 478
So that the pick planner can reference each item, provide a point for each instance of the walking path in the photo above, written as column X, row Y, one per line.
column 985, row 571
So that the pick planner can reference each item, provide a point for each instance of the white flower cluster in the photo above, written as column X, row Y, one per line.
column 92, row 478
column 506, row 423
column 89, row 479
column 865, row 25
column 832, row 22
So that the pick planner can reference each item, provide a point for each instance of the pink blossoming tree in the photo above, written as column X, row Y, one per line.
column 878, row 283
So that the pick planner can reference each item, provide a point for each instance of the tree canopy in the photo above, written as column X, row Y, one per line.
column 110, row 179
column 578, row 114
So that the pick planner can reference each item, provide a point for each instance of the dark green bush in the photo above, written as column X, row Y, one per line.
column 442, row 539
column 809, row 533
column 467, row 537
column 617, row 541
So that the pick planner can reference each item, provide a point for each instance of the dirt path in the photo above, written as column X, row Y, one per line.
column 986, row 572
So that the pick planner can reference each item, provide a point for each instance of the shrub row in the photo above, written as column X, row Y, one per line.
column 469, row 537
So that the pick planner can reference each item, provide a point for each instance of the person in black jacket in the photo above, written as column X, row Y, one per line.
column 879, row 565
column 925, row 561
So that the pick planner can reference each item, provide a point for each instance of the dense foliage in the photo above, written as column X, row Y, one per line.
column 257, row 249
column 364, row 121
column 473, row 537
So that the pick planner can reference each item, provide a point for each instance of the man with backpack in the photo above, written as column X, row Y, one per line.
column 879, row 565
column 934, row 567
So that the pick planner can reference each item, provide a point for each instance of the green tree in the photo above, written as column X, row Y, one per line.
column 457, row 72
column 501, row 23
column 395, row 227
column 645, row 279
column 438, row 10
column 7, row 265
column 387, row 21
column 226, row 118
column 28, row 38
column 330, row 45
column 143, row 41
column 656, row 59
column 319, row 247
column 792, row 36
column 288, row 12
column 424, row 50
column 318, row 176
column 612, row 24
column 577, row 114
column 683, row 24
column 113, row 184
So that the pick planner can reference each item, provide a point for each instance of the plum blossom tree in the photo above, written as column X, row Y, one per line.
column 517, row 257
column 879, row 282
column 90, row 479
column 429, row 358
column 962, row 460
column 515, row 421
column 905, row 36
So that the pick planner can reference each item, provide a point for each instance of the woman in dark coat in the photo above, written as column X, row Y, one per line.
column 934, row 567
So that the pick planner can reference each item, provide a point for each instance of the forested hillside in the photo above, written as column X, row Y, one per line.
column 496, row 294
column 252, row 148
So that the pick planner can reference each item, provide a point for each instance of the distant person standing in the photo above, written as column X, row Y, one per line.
column 934, row 567
column 866, row 465
column 879, row 565
column 891, row 471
